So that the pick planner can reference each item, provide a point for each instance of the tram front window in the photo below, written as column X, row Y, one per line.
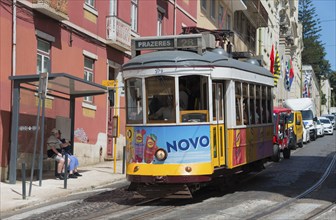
column 193, row 98
column 160, row 95
column 134, row 101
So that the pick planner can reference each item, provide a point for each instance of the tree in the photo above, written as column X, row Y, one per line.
column 314, row 52
column 323, row 98
column 332, row 80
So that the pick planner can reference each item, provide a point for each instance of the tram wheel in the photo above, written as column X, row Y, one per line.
column 293, row 146
column 276, row 153
column 300, row 144
column 286, row 153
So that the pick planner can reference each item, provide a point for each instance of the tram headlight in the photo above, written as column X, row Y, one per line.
column 188, row 169
column 135, row 169
column 161, row 154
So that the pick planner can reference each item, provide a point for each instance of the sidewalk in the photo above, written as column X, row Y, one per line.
column 93, row 176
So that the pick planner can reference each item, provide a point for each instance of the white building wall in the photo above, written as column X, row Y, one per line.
column 313, row 86
column 326, row 90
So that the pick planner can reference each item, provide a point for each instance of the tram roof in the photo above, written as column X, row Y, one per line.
column 179, row 58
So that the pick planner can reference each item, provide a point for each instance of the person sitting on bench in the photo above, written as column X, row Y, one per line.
column 54, row 146
column 66, row 149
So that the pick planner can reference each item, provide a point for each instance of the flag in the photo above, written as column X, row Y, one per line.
column 291, row 73
column 286, row 81
column 306, row 85
column 276, row 69
column 272, row 60
column 305, row 91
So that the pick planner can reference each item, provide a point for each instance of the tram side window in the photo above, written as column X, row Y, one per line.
column 258, row 114
column 238, row 103
column 160, row 95
column 134, row 101
column 263, row 104
column 245, row 105
column 252, row 103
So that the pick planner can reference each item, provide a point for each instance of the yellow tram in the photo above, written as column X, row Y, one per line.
column 193, row 114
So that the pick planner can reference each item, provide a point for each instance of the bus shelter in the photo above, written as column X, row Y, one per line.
column 59, row 85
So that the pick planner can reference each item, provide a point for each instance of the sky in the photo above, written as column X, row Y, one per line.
column 326, row 12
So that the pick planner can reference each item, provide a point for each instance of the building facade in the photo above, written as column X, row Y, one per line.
column 59, row 37
column 326, row 92
column 285, row 34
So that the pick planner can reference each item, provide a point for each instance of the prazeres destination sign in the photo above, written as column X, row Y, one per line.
column 167, row 43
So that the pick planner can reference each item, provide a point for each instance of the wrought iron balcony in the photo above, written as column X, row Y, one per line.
column 118, row 33
column 57, row 9
column 256, row 13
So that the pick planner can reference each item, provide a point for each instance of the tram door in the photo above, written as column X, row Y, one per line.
column 217, row 127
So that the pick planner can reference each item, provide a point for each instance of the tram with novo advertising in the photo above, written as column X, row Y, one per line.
column 193, row 114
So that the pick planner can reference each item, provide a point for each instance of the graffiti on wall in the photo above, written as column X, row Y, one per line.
column 81, row 135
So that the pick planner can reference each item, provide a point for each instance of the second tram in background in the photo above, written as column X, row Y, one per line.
column 193, row 114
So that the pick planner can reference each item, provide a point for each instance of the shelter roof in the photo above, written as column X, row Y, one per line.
column 62, row 83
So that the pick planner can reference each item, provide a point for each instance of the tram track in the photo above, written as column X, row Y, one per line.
column 145, row 209
column 286, row 203
column 323, row 210
column 155, row 208
column 268, row 212
column 119, row 203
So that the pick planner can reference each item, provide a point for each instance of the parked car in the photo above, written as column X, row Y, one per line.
column 306, row 134
column 328, row 127
column 331, row 117
column 320, row 128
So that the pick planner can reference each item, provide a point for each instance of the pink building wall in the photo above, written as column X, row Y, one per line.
column 67, row 57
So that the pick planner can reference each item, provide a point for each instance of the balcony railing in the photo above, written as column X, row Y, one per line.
column 118, row 33
column 57, row 9
column 256, row 12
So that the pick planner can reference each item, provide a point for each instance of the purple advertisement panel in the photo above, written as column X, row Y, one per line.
column 184, row 144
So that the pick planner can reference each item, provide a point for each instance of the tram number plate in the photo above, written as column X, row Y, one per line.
column 187, row 42
column 158, row 71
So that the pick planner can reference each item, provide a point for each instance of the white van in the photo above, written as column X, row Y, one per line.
column 308, row 110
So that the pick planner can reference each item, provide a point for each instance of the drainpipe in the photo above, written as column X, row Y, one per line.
column 14, row 40
column 301, row 83
column 112, row 8
column 174, row 17
column 260, row 42
column 14, row 104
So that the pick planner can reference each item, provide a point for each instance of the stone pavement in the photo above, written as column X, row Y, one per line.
column 93, row 176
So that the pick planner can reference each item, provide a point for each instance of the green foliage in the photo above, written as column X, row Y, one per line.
column 314, row 52
column 323, row 98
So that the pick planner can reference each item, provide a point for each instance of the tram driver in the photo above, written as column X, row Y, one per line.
column 166, row 112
